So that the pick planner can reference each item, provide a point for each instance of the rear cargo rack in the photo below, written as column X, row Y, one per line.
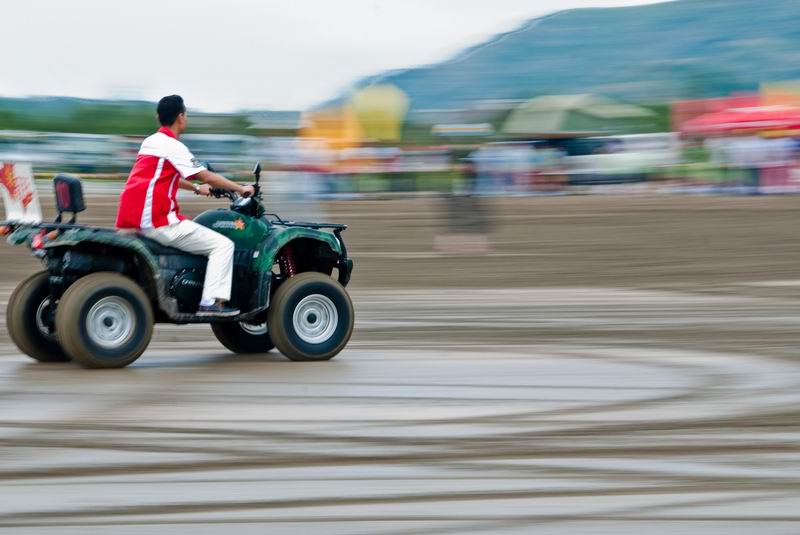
column 52, row 226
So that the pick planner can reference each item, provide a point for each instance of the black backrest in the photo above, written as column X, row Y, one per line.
column 69, row 195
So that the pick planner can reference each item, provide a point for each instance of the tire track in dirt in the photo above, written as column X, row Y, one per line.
column 454, row 410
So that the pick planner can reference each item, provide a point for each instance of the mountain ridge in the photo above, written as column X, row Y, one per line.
column 655, row 52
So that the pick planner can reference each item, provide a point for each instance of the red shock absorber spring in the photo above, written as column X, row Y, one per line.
column 286, row 261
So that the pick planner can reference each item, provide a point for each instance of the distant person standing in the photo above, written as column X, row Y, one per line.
column 465, row 214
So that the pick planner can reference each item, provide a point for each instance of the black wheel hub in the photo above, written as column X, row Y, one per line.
column 45, row 318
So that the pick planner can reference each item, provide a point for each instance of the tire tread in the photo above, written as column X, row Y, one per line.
column 42, row 350
column 226, row 333
column 275, row 317
column 68, row 318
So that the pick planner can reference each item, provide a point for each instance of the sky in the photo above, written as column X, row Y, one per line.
column 225, row 55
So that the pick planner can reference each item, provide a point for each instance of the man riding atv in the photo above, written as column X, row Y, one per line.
column 149, row 204
column 101, row 291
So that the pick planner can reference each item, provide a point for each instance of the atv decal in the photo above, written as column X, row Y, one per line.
column 237, row 224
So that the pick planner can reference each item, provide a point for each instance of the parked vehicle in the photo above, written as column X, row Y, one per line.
column 619, row 159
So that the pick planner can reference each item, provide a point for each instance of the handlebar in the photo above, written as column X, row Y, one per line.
column 232, row 195
column 219, row 193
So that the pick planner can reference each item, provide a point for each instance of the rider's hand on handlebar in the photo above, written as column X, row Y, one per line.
column 204, row 190
column 247, row 191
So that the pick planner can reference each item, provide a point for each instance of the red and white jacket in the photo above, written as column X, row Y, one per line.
column 149, row 198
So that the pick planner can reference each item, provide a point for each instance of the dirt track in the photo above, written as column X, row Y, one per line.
column 562, row 241
column 611, row 365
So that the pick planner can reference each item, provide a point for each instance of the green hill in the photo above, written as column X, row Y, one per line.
column 97, row 116
column 686, row 48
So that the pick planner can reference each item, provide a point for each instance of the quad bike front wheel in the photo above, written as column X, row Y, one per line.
column 29, row 319
column 104, row 320
column 311, row 317
column 243, row 337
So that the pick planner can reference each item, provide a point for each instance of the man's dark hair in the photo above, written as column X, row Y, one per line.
column 169, row 108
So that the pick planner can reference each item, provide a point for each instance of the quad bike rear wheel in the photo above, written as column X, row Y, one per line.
column 311, row 317
column 104, row 320
column 243, row 337
column 29, row 319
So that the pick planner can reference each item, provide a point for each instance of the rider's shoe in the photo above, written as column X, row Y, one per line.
column 217, row 310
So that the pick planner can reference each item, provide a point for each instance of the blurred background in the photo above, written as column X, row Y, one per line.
column 575, row 244
column 687, row 96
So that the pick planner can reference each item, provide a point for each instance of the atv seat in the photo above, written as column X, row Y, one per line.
column 161, row 250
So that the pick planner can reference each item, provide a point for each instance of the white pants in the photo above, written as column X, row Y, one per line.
column 193, row 238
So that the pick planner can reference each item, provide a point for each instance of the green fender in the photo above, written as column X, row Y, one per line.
column 122, row 240
column 269, row 249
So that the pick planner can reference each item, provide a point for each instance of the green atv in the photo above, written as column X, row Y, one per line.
column 102, row 290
